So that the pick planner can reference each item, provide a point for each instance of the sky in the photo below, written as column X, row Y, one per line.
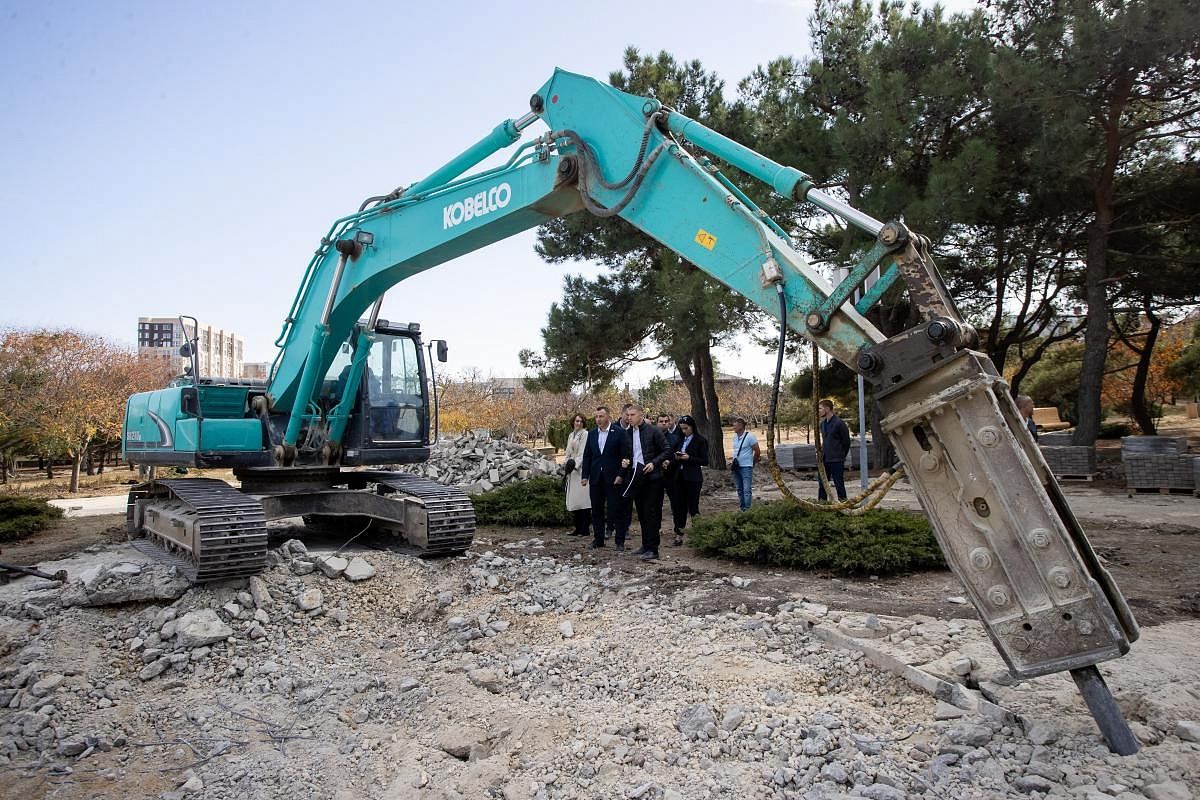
column 165, row 158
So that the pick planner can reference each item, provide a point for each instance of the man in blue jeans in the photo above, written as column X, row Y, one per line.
column 835, row 446
column 746, row 454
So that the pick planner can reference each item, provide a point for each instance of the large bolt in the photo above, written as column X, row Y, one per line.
column 940, row 330
column 989, row 436
column 1060, row 577
column 815, row 322
column 869, row 363
column 981, row 558
column 998, row 596
column 888, row 234
column 1040, row 537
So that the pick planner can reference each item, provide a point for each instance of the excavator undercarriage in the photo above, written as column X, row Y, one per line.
column 214, row 531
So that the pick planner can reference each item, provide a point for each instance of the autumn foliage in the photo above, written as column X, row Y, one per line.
column 61, row 391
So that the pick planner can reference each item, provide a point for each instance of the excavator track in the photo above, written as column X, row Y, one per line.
column 205, row 527
column 449, row 515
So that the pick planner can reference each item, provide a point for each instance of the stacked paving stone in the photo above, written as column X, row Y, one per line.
column 1157, row 462
column 1070, row 461
column 479, row 463
column 1055, row 438
column 796, row 456
column 804, row 456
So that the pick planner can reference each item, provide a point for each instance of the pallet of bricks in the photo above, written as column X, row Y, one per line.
column 804, row 456
column 1158, row 462
column 1067, row 461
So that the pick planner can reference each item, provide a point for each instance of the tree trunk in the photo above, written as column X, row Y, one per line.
column 692, row 371
column 1139, row 409
column 716, row 437
column 3, row 470
column 691, row 380
column 1095, row 338
column 49, row 462
column 76, row 464
column 884, row 454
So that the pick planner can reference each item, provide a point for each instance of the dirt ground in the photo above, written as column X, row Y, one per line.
column 1156, row 569
column 1155, row 566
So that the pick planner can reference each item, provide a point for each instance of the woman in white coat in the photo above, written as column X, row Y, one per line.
column 579, row 501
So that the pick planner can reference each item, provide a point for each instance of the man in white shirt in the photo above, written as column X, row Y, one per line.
column 746, row 454
column 645, row 452
column 600, row 471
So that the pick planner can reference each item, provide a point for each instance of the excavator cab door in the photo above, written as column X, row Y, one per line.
column 390, row 423
column 394, row 400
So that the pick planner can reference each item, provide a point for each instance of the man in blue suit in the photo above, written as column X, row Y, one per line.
column 601, row 473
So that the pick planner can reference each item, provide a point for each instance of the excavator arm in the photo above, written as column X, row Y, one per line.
column 1002, row 522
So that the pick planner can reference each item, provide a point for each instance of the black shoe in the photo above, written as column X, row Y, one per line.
column 620, row 548
column 599, row 546
column 640, row 551
column 649, row 555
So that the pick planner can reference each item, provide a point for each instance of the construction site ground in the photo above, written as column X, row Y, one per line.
column 533, row 668
column 536, row 668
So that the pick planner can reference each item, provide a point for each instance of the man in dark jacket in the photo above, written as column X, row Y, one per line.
column 671, row 432
column 600, row 471
column 835, row 445
column 690, row 455
column 645, row 451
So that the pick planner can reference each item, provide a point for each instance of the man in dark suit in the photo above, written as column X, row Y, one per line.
column 645, row 451
column 600, row 471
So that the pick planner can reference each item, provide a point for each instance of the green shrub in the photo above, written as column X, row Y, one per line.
column 21, row 516
column 537, row 502
column 783, row 533
column 1114, row 430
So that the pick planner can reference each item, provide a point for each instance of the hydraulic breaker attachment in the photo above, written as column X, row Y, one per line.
column 1005, row 529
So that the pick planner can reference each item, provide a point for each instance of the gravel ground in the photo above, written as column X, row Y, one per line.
column 507, row 674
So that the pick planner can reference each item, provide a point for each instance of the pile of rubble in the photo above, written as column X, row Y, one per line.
column 515, row 675
column 478, row 463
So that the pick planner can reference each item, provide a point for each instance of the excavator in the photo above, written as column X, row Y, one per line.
column 348, row 392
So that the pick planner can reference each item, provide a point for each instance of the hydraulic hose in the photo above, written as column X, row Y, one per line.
column 875, row 491
column 589, row 169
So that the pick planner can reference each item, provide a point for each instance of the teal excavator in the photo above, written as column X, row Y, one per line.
column 349, row 391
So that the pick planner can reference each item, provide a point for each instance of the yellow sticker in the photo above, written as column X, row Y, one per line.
column 705, row 239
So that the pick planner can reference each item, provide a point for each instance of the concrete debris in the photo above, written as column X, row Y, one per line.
column 358, row 570
column 478, row 463
column 117, row 584
column 332, row 566
column 310, row 599
column 200, row 628
column 437, row 681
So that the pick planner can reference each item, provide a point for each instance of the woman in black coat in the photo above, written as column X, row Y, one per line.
column 689, row 477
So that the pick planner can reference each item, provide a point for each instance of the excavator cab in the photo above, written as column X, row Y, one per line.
column 387, row 403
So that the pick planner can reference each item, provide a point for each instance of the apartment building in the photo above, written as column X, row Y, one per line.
column 220, row 350
column 256, row 370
